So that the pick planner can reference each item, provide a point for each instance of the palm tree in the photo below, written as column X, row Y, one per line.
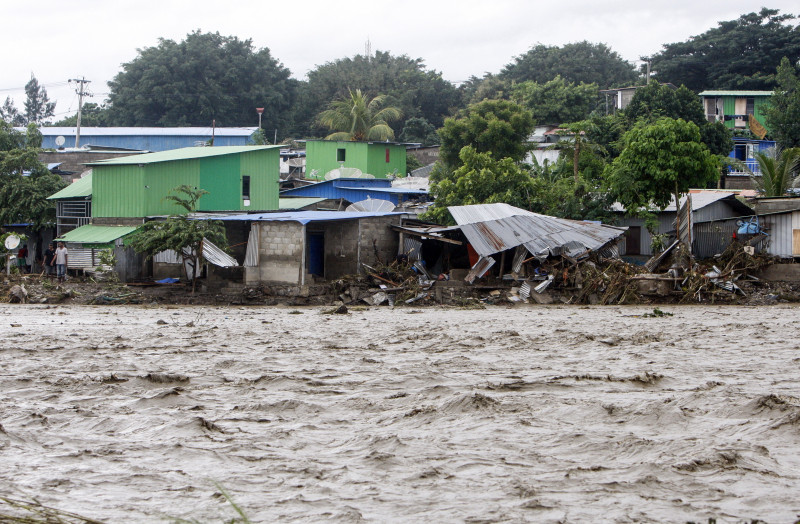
column 778, row 168
column 359, row 118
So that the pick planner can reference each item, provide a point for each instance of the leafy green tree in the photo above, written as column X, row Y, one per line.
column 38, row 106
column 179, row 233
column 778, row 171
column 659, row 162
column 405, row 81
column 202, row 78
column 360, row 118
column 10, row 114
column 25, row 183
column 419, row 130
column 783, row 111
column 92, row 115
column 556, row 101
column 655, row 100
column 499, row 127
column 489, row 87
column 575, row 62
column 480, row 179
column 412, row 163
column 738, row 54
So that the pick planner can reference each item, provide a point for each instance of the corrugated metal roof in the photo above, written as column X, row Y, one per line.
column 79, row 188
column 304, row 217
column 289, row 203
column 395, row 190
column 90, row 234
column 700, row 199
column 736, row 93
column 151, row 131
column 185, row 153
column 217, row 256
column 492, row 228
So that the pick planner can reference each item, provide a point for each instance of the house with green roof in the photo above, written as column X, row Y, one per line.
column 101, row 209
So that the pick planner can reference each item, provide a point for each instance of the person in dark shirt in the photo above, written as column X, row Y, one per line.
column 22, row 259
column 50, row 260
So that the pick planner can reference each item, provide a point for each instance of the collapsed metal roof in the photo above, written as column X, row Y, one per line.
column 492, row 228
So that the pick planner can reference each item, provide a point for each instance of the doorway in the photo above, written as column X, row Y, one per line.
column 315, row 246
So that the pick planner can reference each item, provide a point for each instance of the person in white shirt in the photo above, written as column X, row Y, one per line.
column 61, row 262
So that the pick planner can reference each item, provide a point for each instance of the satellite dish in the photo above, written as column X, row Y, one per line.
column 60, row 140
column 12, row 241
column 371, row 205
column 343, row 172
column 296, row 162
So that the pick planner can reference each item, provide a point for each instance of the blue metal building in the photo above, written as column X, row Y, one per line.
column 357, row 189
column 146, row 138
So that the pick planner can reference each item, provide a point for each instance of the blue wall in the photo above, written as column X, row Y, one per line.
column 144, row 142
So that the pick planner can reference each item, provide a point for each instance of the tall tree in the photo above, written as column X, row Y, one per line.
column 360, row 118
column 10, row 114
column 655, row 100
column 419, row 130
column 405, row 81
column 480, row 179
column 92, row 115
column 25, row 183
column 659, row 162
column 499, row 127
column 575, row 62
column 38, row 106
column 202, row 78
column 783, row 111
column 556, row 101
column 738, row 54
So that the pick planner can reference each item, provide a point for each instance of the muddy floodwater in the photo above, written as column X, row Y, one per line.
column 525, row 414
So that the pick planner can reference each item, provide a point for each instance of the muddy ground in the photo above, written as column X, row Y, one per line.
column 523, row 414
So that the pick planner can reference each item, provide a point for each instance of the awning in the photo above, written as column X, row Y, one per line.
column 90, row 234
column 79, row 188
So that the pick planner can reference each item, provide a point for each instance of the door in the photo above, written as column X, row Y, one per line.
column 633, row 240
column 316, row 254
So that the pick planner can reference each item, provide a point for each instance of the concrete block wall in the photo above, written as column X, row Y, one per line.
column 280, row 246
column 386, row 240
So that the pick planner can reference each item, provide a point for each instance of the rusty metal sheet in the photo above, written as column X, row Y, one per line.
column 492, row 228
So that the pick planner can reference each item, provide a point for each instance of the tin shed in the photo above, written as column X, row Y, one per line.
column 237, row 178
column 375, row 158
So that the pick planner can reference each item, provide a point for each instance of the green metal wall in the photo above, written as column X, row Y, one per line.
column 377, row 160
column 368, row 157
column 729, row 108
column 263, row 167
column 139, row 190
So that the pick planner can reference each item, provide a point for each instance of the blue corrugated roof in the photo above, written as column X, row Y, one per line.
column 304, row 217
column 396, row 190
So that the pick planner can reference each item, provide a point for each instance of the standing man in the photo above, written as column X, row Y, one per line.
column 50, row 260
column 61, row 262
column 22, row 259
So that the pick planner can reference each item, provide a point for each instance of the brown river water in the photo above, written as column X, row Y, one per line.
column 525, row 414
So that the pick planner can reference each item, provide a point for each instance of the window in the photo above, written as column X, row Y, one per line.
column 246, row 187
column 387, row 155
column 340, row 154
column 750, row 108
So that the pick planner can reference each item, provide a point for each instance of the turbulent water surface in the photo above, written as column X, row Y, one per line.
column 541, row 414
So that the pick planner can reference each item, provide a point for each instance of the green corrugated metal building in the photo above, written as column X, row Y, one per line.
column 375, row 158
column 237, row 178
column 735, row 107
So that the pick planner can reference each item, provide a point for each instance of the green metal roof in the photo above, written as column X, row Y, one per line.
column 79, row 188
column 186, row 153
column 96, row 234
column 736, row 93
column 298, row 202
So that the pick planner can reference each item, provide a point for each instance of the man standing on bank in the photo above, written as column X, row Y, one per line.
column 61, row 262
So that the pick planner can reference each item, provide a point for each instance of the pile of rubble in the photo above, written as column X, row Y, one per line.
column 36, row 289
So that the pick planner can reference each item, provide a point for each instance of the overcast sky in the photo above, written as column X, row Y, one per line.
column 59, row 40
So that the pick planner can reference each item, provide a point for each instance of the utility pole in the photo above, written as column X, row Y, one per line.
column 81, row 93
